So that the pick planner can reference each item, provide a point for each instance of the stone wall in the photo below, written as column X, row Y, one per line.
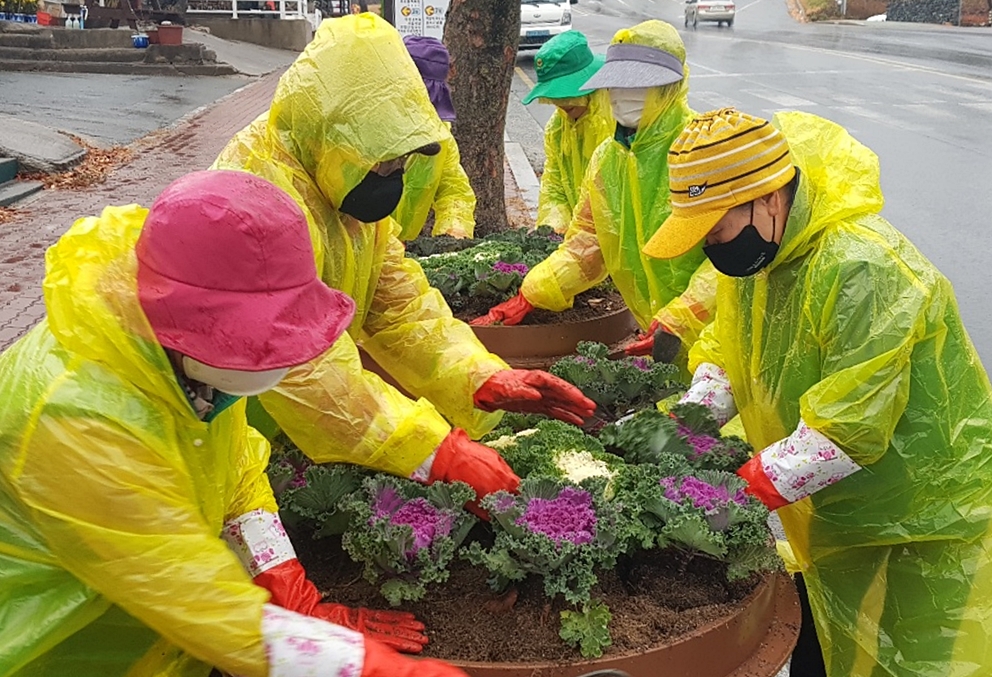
column 923, row 11
column 292, row 34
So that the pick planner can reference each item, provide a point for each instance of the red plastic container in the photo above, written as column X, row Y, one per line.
column 170, row 35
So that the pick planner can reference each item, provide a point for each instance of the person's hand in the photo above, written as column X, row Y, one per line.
column 534, row 392
column 644, row 345
column 290, row 588
column 399, row 630
column 381, row 661
column 508, row 313
column 459, row 459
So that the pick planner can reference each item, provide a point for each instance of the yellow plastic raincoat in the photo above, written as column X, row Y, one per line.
column 624, row 200
column 352, row 99
column 852, row 330
column 568, row 148
column 108, row 479
column 437, row 182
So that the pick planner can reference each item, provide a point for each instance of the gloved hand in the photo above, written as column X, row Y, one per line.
column 459, row 459
column 509, row 313
column 534, row 392
column 644, row 345
column 381, row 661
column 290, row 589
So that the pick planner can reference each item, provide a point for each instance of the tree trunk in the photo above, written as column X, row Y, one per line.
column 482, row 37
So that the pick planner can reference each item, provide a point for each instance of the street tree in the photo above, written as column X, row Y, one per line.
column 482, row 37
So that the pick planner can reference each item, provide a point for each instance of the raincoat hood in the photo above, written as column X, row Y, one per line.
column 666, row 111
column 827, row 157
column 91, row 297
column 354, row 98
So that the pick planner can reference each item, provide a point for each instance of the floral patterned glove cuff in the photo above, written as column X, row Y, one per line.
column 303, row 646
column 711, row 388
column 259, row 540
column 792, row 469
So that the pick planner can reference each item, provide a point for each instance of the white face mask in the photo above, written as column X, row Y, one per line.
column 628, row 105
column 233, row 381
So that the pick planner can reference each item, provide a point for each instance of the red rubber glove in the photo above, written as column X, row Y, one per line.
column 459, row 459
column 381, row 661
column 508, row 313
column 290, row 589
column 644, row 345
column 531, row 391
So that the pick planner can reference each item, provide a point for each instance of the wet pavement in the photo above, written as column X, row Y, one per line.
column 109, row 109
column 919, row 96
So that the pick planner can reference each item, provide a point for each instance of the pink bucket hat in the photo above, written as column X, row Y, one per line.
column 226, row 275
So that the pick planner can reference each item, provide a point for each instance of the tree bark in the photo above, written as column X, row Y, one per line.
column 482, row 37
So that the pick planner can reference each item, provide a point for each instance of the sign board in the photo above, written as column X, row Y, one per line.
column 420, row 17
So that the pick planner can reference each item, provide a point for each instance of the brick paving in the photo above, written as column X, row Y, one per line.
column 160, row 158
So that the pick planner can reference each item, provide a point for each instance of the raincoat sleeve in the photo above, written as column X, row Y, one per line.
column 336, row 412
column 410, row 331
column 122, row 519
column 688, row 313
column 454, row 202
column 553, row 208
column 870, row 316
column 577, row 264
column 254, row 491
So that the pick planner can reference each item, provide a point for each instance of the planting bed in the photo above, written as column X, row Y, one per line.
column 654, row 597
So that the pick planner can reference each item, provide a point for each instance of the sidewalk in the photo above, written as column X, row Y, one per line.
column 189, row 145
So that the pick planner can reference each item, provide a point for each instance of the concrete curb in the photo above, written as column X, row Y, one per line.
column 523, row 174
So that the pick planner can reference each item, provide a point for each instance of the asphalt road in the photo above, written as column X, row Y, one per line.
column 919, row 96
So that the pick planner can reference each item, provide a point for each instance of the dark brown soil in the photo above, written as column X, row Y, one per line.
column 653, row 598
column 588, row 305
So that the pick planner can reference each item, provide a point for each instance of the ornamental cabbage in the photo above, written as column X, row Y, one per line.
column 706, row 513
column 559, row 532
column 406, row 533
column 688, row 431
column 556, row 450
column 619, row 386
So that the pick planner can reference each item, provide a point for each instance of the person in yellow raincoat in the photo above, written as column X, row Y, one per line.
column 436, row 182
column 126, row 461
column 581, row 121
column 842, row 348
column 625, row 198
column 345, row 118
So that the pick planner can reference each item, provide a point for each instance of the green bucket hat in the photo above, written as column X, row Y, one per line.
column 564, row 63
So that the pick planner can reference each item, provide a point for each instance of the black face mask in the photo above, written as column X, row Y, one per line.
column 746, row 254
column 375, row 198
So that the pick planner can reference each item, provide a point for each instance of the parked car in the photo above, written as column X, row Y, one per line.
column 721, row 11
column 541, row 20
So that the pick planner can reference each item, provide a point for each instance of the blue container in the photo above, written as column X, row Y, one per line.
column 31, row 18
column 140, row 40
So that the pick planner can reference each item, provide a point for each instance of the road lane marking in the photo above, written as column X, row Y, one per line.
column 971, row 79
column 882, row 119
column 523, row 76
column 780, row 98
column 928, row 110
column 980, row 105
column 750, row 4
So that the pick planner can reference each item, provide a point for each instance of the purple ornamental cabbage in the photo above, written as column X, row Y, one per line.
column 641, row 363
column 701, row 494
column 569, row 517
column 503, row 267
column 701, row 444
column 427, row 522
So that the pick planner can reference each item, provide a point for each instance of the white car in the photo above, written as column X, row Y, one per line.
column 541, row 20
column 720, row 11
